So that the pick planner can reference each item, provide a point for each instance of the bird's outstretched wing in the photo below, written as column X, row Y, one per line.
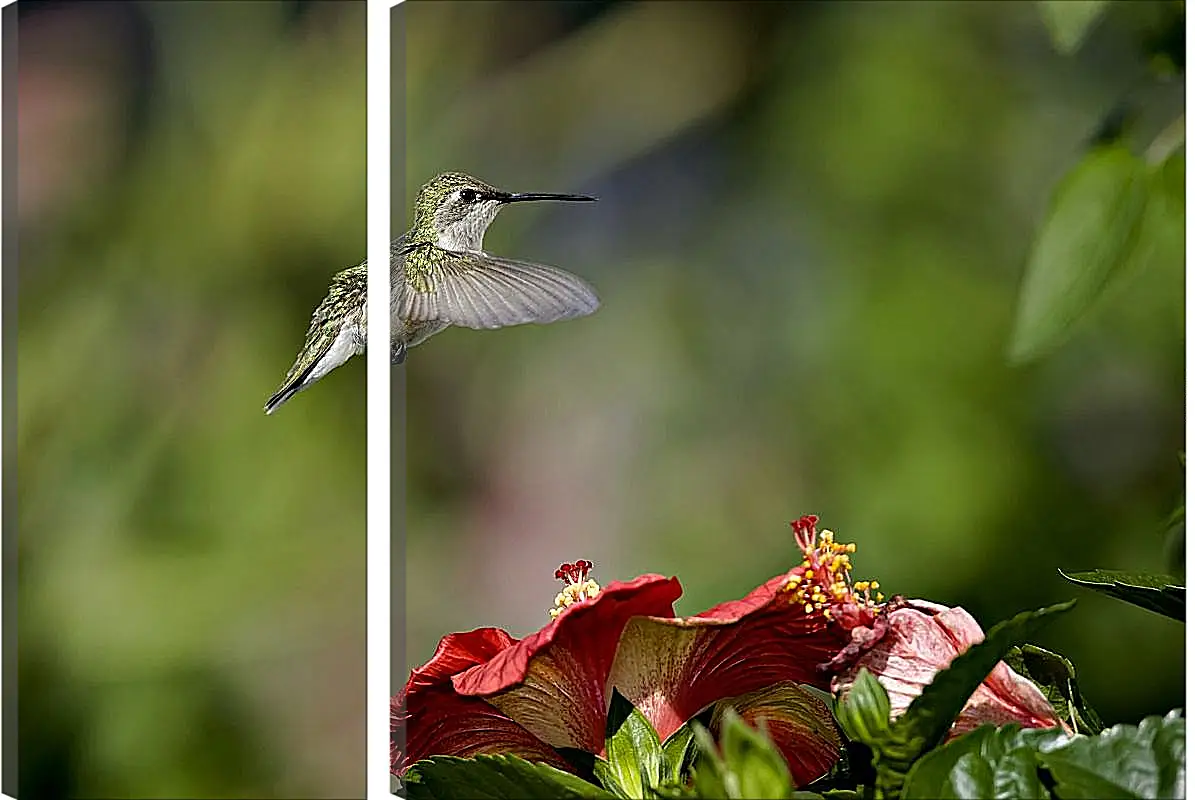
column 478, row 290
column 347, row 288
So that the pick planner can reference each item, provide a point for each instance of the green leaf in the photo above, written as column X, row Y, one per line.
column 1146, row 760
column 747, row 766
column 1086, row 242
column 985, row 763
column 1158, row 593
column 1055, row 676
column 634, row 759
column 1161, row 239
column 1168, row 140
column 1069, row 21
column 678, row 753
column 1165, row 225
column 1171, row 183
column 929, row 777
column 495, row 777
column 710, row 776
column 609, row 778
column 863, row 713
column 1143, row 761
column 758, row 767
column 674, row 790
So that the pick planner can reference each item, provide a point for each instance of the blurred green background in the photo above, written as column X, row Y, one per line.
column 813, row 223
column 812, row 226
column 191, row 572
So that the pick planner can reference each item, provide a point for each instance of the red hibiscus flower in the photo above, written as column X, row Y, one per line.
column 485, row 692
column 915, row 639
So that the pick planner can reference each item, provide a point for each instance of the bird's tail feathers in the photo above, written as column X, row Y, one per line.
column 288, row 390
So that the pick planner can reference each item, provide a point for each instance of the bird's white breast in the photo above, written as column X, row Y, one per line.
column 349, row 342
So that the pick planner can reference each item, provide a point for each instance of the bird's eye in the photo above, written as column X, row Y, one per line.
column 468, row 195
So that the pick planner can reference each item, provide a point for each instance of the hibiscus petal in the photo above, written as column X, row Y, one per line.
column 555, row 682
column 457, row 652
column 418, row 701
column 923, row 638
column 673, row 668
column 908, row 656
column 442, row 723
column 1005, row 697
column 798, row 723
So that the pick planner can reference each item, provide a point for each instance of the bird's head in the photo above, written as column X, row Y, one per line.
column 453, row 209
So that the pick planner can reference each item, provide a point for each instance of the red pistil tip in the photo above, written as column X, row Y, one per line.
column 576, row 572
column 805, row 530
column 823, row 582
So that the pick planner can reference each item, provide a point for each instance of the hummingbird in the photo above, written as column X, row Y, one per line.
column 439, row 277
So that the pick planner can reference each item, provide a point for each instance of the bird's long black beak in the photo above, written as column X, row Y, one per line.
column 524, row 197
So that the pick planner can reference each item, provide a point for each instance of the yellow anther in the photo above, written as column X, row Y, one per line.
column 850, row 547
column 808, row 608
column 575, row 592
